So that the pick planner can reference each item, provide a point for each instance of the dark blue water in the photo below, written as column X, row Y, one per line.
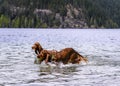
column 101, row 47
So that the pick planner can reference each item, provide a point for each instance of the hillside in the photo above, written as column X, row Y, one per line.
column 60, row 13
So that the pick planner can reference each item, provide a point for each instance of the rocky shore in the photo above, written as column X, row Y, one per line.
column 74, row 17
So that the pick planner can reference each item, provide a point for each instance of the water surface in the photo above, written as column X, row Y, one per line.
column 101, row 47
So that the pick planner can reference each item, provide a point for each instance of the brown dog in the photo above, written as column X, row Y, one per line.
column 37, row 47
column 67, row 55
column 42, row 55
column 47, row 56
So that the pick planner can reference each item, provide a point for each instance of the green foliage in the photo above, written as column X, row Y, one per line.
column 4, row 21
column 21, row 13
column 16, row 22
column 111, row 24
column 44, row 25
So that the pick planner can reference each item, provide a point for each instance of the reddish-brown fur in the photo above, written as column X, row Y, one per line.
column 46, row 55
column 67, row 55
column 37, row 47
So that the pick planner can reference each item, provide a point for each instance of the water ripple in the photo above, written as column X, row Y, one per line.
column 101, row 47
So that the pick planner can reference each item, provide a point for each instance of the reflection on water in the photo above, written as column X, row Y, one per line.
column 101, row 47
column 62, row 70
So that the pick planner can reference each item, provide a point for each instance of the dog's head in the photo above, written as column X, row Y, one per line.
column 37, row 47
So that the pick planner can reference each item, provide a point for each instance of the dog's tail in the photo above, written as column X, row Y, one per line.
column 83, row 58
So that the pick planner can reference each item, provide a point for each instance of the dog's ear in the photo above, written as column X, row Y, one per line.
column 37, row 47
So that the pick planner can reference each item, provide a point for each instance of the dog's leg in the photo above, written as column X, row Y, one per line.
column 46, row 60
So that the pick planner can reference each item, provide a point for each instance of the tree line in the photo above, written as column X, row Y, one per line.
column 21, row 13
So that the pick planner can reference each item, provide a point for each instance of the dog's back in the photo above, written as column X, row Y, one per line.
column 69, row 55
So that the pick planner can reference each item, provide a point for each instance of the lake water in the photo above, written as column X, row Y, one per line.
column 101, row 47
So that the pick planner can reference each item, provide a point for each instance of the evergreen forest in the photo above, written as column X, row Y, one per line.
column 59, row 14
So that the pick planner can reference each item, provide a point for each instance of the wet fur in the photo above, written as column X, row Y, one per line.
column 67, row 55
